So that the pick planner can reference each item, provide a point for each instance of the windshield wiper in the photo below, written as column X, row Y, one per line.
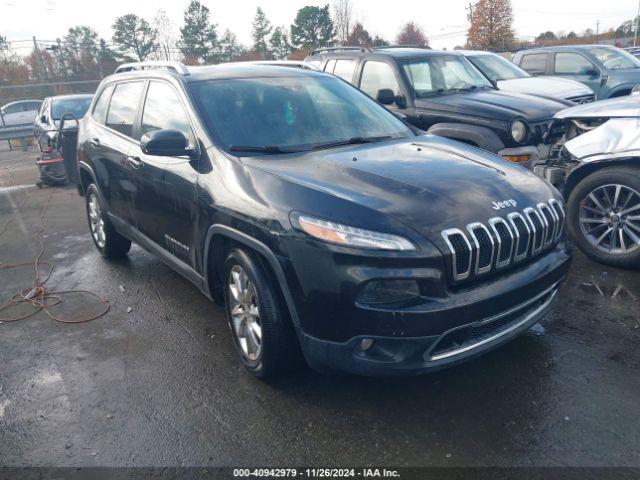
column 350, row 141
column 269, row 149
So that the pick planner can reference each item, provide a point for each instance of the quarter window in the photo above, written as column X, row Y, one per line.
column 330, row 66
column 100, row 110
column 124, row 106
column 344, row 69
column 535, row 63
column 572, row 63
column 377, row 76
column 163, row 111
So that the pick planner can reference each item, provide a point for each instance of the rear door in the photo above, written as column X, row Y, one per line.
column 165, row 203
column 535, row 63
column 110, row 145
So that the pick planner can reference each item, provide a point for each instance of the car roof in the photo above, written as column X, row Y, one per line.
column 564, row 48
column 235, row 70
column 391, row 51
column 468, row 53
column 71, row 96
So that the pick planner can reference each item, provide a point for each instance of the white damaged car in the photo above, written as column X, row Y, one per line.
column 594, row 159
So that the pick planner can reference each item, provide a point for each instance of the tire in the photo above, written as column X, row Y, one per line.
column 595, row 214
column 277, row 350
column 107, row 240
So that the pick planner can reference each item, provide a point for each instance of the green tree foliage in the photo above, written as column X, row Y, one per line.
column 312, row 27
column 198, row 37
column 260, row 33
column 134, row 34
column 279, row 42
column 77, row 57
column 229, row 49
column 547, row 36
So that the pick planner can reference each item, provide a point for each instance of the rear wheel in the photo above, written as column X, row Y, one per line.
column 107, row 240
column 604, row 216
column 262, row 332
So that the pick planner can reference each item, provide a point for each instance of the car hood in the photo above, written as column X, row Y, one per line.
column 494, row 104
column 628, row 106
column 428, row 183
column 548, row 87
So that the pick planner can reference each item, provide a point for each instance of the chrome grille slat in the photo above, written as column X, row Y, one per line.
column 504, row 241
column 501, row 263
column 472, row 227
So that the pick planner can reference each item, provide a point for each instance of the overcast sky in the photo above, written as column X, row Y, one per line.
column 444, row 21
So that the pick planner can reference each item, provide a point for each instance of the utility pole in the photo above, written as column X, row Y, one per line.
column 635, row 35
column 597, row 31
column 37, row 56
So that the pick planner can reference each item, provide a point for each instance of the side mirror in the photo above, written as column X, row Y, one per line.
column 165, row 143
column 591, row 72
column 43, row 119
column 386, row 96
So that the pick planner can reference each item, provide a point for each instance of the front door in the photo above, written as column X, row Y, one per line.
column 165, row 204
column 577, row 67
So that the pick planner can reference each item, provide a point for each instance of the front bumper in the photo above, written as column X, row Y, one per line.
column 412, row 356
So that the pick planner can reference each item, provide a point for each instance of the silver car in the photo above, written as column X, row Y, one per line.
column 21, row 112
column 507, row 76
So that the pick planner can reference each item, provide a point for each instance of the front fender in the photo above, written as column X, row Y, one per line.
column 482, row 137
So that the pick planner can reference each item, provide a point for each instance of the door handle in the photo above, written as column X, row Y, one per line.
column 95, row 142
column 134, row 162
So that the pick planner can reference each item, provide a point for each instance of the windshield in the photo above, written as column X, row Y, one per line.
column 440, row 74
column 497, row 68
column 272, row 115
column 76, row 106
column 614, row 58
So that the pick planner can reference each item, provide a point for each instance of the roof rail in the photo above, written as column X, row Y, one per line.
column 425, row 47
column 178, row 67
column 339, row 49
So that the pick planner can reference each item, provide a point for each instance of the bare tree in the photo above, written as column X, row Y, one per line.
column 342, row 11
column 412, row 34
column 167, row 37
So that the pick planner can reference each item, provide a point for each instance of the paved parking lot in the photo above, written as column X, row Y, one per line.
column 156, row 382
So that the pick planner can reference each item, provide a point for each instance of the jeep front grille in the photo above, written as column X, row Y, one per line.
column 505, row 241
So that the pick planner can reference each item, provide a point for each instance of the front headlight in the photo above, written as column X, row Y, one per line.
column 351, row 236
column 635, row 90
column 519, row 131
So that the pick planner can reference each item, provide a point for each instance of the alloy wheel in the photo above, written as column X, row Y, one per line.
column 245, row 313
column 609, row 219
column 96, row 222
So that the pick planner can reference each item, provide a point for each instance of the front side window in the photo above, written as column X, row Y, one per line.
column 14, row 108
column 378, row 76
column 124, row 106
column 572, row 63
column 497, row 68
column 441, row 74
column 535, row 63
column 163, row 111
column 100, row 110
column 614, row 58
column 258, row 115
column 344, row 69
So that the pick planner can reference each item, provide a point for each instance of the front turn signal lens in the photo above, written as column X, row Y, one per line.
column 517, row 158
column 340, row 234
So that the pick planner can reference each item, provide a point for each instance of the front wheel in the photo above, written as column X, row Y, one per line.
column 604, row 216
column 262, row 332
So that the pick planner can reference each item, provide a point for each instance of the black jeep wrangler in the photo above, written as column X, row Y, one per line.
column 443, row 93
column 324, row 223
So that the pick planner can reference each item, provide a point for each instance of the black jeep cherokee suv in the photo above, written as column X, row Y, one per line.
column 324, row 223
column 443, row 93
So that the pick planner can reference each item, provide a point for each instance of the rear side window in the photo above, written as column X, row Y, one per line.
column 100, row 110
column 377, row 76
column 535, row 63
column 572, row 63
column 331, row 64
column 163, row 110
column 344, row 69
column 124, row 106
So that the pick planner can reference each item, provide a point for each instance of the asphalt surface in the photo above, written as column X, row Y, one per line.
column 156, row 381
